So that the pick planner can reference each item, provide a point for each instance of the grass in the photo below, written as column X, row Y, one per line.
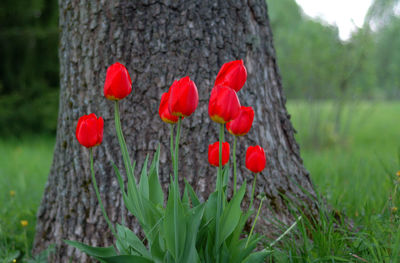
column 351, row 151
column 353, row 162
column 24, row 167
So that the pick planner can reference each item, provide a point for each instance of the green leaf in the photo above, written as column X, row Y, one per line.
column 235, row 237
column 157, row 249
column 144, row 180
column 193, row 220
column 231, row 215
column 193, row 197
column 131, row 240
column 13, row 255
column 93, row 251
column 174, row 225
column 155, row 189
column 185, row 198
column 119, row 178
column 211, row 206
column 125, row 259
column 257, row 257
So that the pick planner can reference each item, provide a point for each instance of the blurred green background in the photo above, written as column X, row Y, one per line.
column 343, row 95
column 315, row 63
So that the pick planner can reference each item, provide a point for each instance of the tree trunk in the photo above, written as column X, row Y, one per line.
column 160, row 41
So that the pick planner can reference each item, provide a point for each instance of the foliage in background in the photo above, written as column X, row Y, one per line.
column 316, row 64
column 28, row 66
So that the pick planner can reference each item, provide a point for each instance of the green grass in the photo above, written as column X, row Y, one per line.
column 353, row 160
column 24, row 166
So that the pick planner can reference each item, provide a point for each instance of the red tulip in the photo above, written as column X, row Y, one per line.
column 242, row 123
column 163, row 110
column 89, row 130
column 213, row 153
column 232, row 74
column 183, row 97
column 255, row 159
column 118, row 83
column 224, row 104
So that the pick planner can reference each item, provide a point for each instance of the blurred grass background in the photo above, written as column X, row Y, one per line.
column 343, row 97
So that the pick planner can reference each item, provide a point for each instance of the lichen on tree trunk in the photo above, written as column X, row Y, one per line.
column 160, row 41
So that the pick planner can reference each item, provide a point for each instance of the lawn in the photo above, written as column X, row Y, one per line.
column 351, row 151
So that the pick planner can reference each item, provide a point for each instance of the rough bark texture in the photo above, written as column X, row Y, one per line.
column 160, row 41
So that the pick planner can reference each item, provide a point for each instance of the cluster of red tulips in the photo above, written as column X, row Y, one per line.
column 181, row 101
column 178, row 232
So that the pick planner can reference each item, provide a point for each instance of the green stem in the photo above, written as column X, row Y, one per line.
column 176, row 186
column 176, row 157
column 254, row 223
column 234, row 165
column 219, row 190
column 253, row 190
column 96, row 189
column 171, row 142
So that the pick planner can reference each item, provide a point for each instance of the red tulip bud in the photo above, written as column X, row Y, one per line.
column 118, row 83
column 232, row 74
column 255, row 159
column 89, row 130
column 224, row 104
column 183, row 97
column 242, row 123
column 163, row 110
column 213, row 153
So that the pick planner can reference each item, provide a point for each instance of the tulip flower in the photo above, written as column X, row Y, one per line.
column 232, row 74
column 224, row 104
column 163, row 110
column 255, row 159
column 213, row 153
column 242, row 123
column 89, row 130
column 183, row 97
column 118, row 83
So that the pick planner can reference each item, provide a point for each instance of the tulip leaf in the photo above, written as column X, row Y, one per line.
column 93, row 251
column 193, row 220
column 156, row 193
column 231, row 215
column 129, row 239
column 193, row 197
column 144, row 181
column 174, row 224
column 125, row 259
column 119, row 178
column 257, row 257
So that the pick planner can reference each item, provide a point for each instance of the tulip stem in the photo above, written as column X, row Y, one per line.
column 219, row 190
column 234, row 165
column 176, row 157
column 171, row 142
column 253, row 190
column 96, row 189
column 254, row 223
column 176, row 187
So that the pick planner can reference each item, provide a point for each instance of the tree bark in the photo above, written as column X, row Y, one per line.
column 160, row 41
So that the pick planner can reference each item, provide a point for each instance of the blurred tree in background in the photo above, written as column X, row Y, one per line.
column 28, row 66
column 314, row 62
